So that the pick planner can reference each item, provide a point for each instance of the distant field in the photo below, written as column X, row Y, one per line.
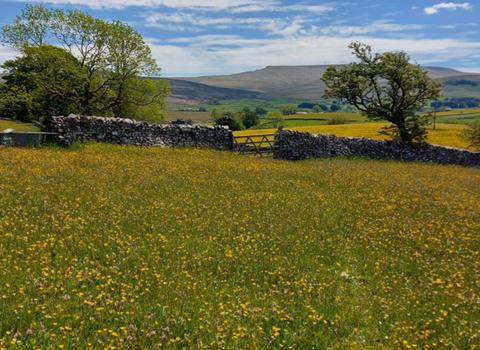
column 106, row 246
column 196, row 117
column 17, row 126
column 459, row 112
column 460, row 116
column 445, row 134
column 352, row 117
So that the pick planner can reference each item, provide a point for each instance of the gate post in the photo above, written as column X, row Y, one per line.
column 277, row 152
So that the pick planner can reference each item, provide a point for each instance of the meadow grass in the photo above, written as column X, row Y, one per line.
column 106, row 246
column 443, row 135
column 17, row 126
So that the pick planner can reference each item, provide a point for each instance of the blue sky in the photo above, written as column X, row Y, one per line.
column 196, row 37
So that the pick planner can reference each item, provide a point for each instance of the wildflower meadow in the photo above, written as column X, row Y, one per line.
column 120, row 247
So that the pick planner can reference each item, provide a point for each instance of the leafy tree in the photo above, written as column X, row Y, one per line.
column 317, row 109
column 288, row 110
column 384, row 87
column 261, row 111
column 472, row 134
column 249, row 119
column 45, row 81
column 276, row 119
column 324, row 107
column 111, row 56
column 227, row 116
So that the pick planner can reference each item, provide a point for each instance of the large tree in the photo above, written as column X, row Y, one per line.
column 227, row 116
column 111, row 56
column 384, row 87
column 45, row 81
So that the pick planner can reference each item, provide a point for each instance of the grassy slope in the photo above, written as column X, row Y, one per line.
column 141, row 248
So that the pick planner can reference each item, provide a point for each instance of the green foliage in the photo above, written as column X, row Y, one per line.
column 249, row 119
column 415, row 127
column 288, row 110
column 227, row 116
column 276, row 119
column 472, row 134
column 103, row 62
column 337, row 120
column 317, row 109
column 261, row 111
column 45, row 81
column 384, row 87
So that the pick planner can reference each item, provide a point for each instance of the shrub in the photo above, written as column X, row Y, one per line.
column 472, row 134
column 338, row 120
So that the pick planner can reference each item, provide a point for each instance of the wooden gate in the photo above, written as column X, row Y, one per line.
column 263, row 145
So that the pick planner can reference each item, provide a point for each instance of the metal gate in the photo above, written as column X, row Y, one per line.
column 263, row 145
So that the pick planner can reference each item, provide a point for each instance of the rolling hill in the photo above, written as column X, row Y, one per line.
column 293, row 82
column 296, row 82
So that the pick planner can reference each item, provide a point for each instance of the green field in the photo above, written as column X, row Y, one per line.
column 105, row 246
column 17, row 126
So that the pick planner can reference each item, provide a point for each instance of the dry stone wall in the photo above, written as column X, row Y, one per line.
column 299, row 145
column 127, row 131
column 295, row 145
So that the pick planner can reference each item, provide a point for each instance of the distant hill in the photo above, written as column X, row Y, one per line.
column 297, row 82
column 193, row 92
column 272, row 81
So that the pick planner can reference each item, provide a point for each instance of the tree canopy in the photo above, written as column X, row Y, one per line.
column 72, row 62
column 227, row 116
column 384, row 87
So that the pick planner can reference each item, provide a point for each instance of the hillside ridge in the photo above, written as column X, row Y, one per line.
column 290, row 81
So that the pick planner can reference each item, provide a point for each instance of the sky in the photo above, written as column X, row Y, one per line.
column 194, row 37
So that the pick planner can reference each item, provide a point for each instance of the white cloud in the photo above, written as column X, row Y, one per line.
column 6, row 54
column 449, row 6
column 191, row 4
column 318, row 9
column 187, row 22
column 233, row 6
column 228, row 54
column 374, row 27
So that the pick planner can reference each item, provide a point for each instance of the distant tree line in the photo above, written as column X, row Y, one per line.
column 456, row 82
column 461, row 102
column 317, row 108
